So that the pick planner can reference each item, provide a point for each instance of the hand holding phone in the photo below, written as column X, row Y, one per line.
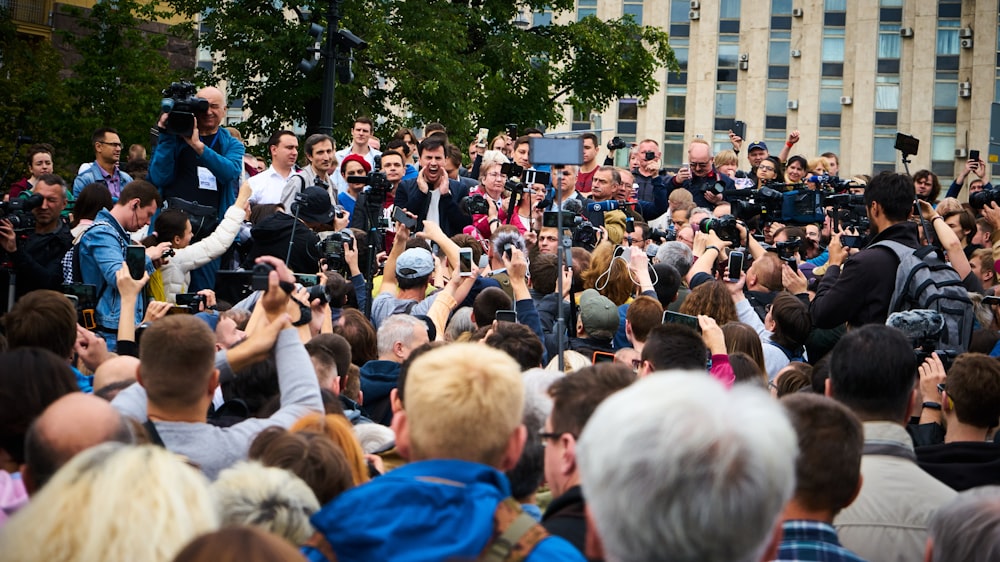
column 135, row 259
column 399, row 215
column 465, row 262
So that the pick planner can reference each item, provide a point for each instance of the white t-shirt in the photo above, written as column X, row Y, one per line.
column 267, row 187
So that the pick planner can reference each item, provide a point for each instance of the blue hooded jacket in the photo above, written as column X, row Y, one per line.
column 429, row 510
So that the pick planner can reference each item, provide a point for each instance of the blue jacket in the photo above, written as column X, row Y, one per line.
column 428, row 510
column 225, row 161
column 94, row 174
column 378, row 378
column 102, row 251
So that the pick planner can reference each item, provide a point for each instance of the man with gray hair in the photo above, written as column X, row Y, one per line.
column 723, row 466
column 679, row 255
column 398, row 336
column 967, row 528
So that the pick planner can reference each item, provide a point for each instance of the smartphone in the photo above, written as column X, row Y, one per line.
column 179, row 310
column 86, row 294
column 303, row 279
column 481, row 137
column 991, row 301
column 550, row 219
column 399, row 215
column 670, row 317
column 512, row 130
column 735, row 265
column 185, row 299
column 974, row 155
column 465, row 262
column 624, row 252
column 506, row 316
column 649, row 155
column 73, row 299
column 135, row 259
column 740, row 129
column 602, row 357
column 850, row 240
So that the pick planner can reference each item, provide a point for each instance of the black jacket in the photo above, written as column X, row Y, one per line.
column 962, row 465
column 270, row 238
column 38, row 260
column 860, row 291
column 566, row 518
column 696, row 185
column 453, row 220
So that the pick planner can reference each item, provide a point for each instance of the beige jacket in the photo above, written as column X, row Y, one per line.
column 888, row 520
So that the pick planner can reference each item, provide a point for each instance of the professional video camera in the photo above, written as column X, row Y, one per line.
column 787, row 250
column 798, row 207
column 375, row 180
column 658, row 236
column 585, row 235
column 849, row 212
column 332, row 249
column 827, row 182
column 725, row 227
column 181, row 105
column 18, row 212
column 923, row 328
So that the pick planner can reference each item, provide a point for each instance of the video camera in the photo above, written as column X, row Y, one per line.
column 18, row 212
column 475, row 204
column 375, row 180
column 827, row 182
column 980, row 199
column 181, row 105
column 616, row 143
column 798, row 207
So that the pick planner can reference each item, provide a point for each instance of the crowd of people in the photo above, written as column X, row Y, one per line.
column 407, row 351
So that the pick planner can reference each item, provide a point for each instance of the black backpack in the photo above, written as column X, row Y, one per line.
column 925, row 281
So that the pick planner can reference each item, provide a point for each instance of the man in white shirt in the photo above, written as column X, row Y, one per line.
column 361, row 135
column 268, row 185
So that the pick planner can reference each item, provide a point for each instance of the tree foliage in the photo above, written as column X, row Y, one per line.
column 465, row 65
column 115, row 81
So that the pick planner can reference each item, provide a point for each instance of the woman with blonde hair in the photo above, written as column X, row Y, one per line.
column 341, row 432
column 113, row 502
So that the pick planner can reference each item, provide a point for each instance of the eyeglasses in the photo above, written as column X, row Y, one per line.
column 495, row 175
column 546, row 435
column 766, row 168
column 700, row 164
column 114, row 144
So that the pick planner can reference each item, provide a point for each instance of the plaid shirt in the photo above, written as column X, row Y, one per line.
column 812, row 541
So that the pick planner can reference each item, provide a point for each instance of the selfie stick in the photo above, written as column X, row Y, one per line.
column 924, row 225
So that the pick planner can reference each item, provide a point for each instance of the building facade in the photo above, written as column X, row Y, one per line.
column 848, row 74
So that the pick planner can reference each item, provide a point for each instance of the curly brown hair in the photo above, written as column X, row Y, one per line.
column 711, row 299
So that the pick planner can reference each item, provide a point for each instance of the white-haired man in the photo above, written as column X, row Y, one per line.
column 720, row 481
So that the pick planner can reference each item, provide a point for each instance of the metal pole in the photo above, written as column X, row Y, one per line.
column 330, row 72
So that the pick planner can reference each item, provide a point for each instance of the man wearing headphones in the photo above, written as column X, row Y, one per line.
column 102, row 253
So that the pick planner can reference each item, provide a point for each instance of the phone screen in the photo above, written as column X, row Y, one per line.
column 135, row 259
column 740, row 129
column 603, row 357
column 974, row 155
column 482, row 136
column 465, row 261
column 506, row 316
column 399, row 215
column 670, row 317
column 735, row 265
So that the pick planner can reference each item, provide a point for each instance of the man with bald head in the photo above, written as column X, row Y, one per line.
column 699, row 176
column 68, row 426
column 199, row 174
column 114, row 375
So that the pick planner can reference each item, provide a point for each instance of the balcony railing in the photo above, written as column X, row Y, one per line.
column 28, row 11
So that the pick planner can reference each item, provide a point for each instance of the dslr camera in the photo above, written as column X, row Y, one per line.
column 332, row 250
column 181, row 105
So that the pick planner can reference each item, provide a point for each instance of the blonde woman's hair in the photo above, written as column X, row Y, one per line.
column 113, row 501
column 272, row 499
column 483, row 393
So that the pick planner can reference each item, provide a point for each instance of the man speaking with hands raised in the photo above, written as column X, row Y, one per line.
column 432, row 196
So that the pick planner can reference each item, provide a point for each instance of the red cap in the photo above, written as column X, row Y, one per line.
column 355, row 158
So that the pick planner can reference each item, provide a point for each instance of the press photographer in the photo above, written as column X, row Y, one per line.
column 196, row 164
column 700, row 177
column 34, row 237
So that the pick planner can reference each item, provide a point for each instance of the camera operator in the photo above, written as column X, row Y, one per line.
column 858, row 290
column 648, row 171
column 433, row 196
column 700, row 176
column 37, row 256
column 394, row 169
column 272, row 235
column 319, row 152
column 199, row 174
column 606, row 184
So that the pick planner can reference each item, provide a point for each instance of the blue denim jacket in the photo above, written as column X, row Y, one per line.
column 102, row 252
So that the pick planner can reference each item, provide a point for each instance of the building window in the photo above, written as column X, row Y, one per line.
column 947, row 37
column 833, row 46
column 888, row 41
column 542, row 17
column 586, row 8
column 628, row 116
column 729, row 9
column 780, row 48
column 581, row 120
column 887, row 93
column 633, row 8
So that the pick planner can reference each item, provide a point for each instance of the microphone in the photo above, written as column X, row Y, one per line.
column 917, row 325
column 818, row 179
column 604, row 206
column 574, row 205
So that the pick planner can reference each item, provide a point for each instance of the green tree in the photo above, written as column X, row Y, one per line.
column 465, row 65
column 120, row 73
column 31, row 95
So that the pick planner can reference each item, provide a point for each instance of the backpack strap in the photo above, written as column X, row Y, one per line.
column 154, row 436
column 515, row 534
